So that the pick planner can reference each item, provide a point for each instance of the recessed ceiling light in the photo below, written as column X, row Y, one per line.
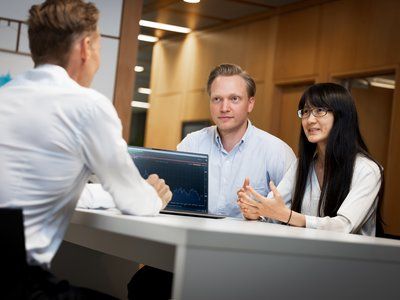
column 191, row 1
column 147, row 38
column 163, row 26
column 140, row 104
column 143, row 90
column 139, row 69
column 382, row 82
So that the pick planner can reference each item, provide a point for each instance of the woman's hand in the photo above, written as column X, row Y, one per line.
column 253, row 205
column 247, row 214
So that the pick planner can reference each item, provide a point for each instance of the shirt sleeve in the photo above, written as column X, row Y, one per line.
column 281, row 164
column 359, row 204
column 94, row 196
column 290, row 158
column 105, row 153
column 186, row 145
column 286, row 186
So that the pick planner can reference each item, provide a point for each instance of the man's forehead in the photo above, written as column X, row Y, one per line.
column 235, row 83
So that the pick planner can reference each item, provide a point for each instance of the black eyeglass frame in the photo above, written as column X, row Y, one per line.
column 313, row 111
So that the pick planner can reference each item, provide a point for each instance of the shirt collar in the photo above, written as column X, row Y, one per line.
column 245, row 137
column 57, row 74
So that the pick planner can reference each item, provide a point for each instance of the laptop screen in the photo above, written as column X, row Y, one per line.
column 185, row 173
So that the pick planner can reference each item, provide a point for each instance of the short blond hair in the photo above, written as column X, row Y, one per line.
column 231, row 70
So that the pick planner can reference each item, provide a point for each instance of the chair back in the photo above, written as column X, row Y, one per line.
column 13, row 266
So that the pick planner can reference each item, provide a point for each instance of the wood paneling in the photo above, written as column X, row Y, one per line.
column 289, row 123
column 196, row 106
column 297, row 41
column 374, row 107
column 163, row 122
column 260, row 36
column 391, row 207
column 360, row 34
column 125, row 77
column 168, row 72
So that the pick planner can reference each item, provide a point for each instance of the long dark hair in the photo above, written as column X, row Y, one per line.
column 343, row 145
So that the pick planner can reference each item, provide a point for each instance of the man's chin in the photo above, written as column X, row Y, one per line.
column 226, row 127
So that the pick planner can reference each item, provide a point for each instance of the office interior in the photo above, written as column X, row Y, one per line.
column 157, row 85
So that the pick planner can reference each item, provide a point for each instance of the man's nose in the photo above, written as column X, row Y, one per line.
column 225, row 105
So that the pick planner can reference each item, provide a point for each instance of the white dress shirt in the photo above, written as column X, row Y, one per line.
column 54, row 134
column 357, row 214
column 258, row 155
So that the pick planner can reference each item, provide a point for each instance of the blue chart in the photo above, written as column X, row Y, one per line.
column 183, row 196
column 187, row 180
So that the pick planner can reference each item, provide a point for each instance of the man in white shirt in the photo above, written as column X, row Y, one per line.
column 237, row 150
column 56, row 131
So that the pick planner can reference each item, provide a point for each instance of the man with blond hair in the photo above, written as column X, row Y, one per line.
column 236, row 148
column 237, row 151
column 55, row 132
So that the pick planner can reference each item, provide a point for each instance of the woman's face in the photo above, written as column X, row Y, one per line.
column 317, row 129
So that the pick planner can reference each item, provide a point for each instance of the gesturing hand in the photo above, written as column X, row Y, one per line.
column 161, row 188
column 269, row 207
column 247, row 214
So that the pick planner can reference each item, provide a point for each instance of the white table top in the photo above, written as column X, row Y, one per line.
column 240, row 235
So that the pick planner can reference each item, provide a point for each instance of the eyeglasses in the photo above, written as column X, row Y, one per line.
column 316, row 112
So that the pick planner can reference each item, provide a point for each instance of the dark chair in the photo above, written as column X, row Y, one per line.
column 13, row 266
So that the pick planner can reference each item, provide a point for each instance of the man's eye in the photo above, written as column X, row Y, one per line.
column 305, row 111
column 320, row 110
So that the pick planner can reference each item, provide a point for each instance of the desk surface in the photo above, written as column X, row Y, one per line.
column 237, row 234
column 236, row 259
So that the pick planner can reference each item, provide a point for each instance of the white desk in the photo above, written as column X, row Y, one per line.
column 233, row 259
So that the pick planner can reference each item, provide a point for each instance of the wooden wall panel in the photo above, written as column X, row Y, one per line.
column 163, row 126
column 168, row 70
column 359, row 34
column 196, row 106
column 297, row 43
column 125, row 75
column 391, row 207
column 289, row 123
column 214, row 48
column 258, row 48
column 258, row 116
column 374, row 107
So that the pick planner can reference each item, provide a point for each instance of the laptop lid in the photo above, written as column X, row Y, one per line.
column 185, row 173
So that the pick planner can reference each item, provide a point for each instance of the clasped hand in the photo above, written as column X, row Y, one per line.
column 161, row 188
column 253, row 205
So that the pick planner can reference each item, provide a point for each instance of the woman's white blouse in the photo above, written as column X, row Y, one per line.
column 357, row 214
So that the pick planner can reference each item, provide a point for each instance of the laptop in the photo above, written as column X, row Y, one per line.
column 185, row 173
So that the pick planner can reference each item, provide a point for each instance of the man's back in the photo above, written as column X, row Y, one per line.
column 44, row 114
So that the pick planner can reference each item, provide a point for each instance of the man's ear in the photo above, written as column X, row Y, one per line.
column 252, row 101
column 85, row 48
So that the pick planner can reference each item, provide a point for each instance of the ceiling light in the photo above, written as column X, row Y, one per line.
column 139, row 69
column 382, row 85
column 191, row 1
column 147, row 38
column 140, row 104
column 146, row 91
column 382, row 82
column 163, row 26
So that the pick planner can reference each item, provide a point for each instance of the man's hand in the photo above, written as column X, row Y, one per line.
column 161, row 188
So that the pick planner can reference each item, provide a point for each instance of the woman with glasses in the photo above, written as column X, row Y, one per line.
column 335, row 184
